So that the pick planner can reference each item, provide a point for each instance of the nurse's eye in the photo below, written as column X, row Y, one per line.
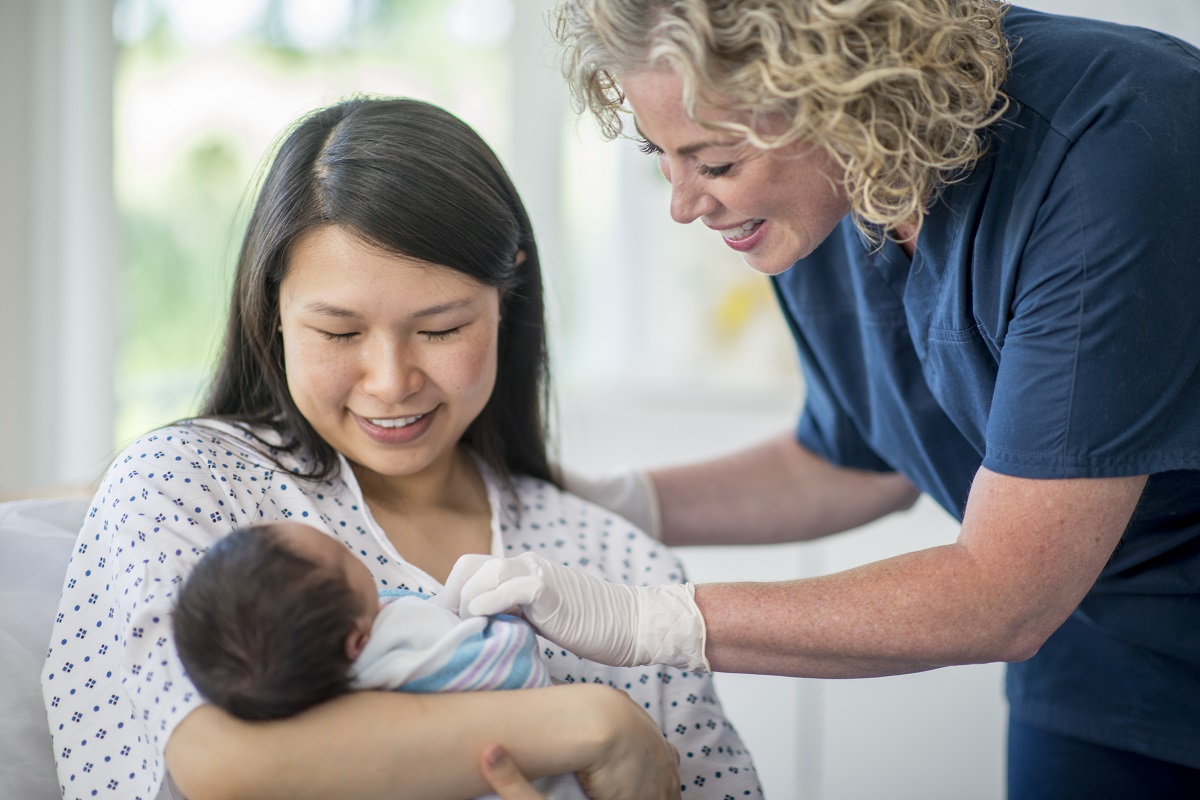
column 440, row 336
column 714, row 172
column 337, row 337
column 649, row 148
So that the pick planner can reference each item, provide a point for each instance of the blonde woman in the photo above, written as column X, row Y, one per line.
column 979, row 221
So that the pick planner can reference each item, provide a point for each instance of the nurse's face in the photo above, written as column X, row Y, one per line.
column 772, row 206
column 389, row 359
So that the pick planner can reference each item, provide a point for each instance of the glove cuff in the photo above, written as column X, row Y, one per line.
column 628, row 492
column 671, row 629
column 651, row 520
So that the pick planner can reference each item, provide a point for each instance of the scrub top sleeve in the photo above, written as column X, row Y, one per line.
column 830, row 434
column 1098, row 374
column 824, row 427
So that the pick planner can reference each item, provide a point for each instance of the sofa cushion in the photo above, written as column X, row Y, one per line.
column 36, row 541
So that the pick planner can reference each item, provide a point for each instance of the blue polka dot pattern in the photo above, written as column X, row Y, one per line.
column 113, row 685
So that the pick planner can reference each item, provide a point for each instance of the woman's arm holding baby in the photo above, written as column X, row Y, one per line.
column 395, row 745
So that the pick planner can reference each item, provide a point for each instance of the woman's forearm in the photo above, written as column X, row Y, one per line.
column 773, row 492
column 392, row 745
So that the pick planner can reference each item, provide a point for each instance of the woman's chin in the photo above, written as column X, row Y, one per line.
column 767, row 265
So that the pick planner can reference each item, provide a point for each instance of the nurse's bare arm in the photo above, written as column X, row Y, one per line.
column 394, row 745
column 1028, row 552
column 773, row 492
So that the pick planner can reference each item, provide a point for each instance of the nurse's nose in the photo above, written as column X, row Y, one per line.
column 690, row 199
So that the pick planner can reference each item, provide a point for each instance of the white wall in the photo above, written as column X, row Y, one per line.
column 15, row 137
column 58, row 227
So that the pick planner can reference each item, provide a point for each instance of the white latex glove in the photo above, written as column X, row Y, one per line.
column 615, row 624
column 628, row 492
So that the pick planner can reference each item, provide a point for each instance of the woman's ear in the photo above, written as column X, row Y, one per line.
column 356, row 639
column 520, row 259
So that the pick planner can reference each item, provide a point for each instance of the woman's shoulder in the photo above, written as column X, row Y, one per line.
column 208, row 439
column 204, row 469
column 203, row 446
column 1075, row 71
column 538, row 516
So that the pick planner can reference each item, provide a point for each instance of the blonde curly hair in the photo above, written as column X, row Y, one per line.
column 897, row 91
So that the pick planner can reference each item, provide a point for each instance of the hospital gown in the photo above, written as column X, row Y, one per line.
column 114, row 687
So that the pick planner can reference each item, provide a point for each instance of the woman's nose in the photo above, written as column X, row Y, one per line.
column 690, row 199
column 391, row 374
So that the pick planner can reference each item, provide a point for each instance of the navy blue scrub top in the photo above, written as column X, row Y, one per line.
column 1048, row 326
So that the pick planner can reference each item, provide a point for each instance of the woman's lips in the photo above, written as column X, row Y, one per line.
column 395, row 430
column 745, row 236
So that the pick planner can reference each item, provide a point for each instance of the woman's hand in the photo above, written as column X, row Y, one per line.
column 637, row 761
column 607, row 622
column 504, row 777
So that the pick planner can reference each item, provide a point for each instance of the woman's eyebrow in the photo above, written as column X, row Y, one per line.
column 687, row 149
column 330, row 310
column 643, row 136
column 441, row 308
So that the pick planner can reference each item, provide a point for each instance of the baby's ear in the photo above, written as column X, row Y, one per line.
column 356, row 639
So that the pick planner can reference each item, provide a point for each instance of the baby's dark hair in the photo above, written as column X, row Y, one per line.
column 261, row 629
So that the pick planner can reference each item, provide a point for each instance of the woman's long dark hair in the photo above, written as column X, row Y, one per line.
column 414, row 180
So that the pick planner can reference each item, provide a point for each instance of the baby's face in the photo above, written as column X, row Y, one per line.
column 332, row 554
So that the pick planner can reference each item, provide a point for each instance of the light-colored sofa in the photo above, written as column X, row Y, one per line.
column 37, row 538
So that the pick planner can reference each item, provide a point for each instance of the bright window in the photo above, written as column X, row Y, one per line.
column 203, row 88
column 640, row 308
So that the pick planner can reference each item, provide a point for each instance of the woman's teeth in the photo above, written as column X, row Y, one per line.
column 741, row 231
column 395, row 422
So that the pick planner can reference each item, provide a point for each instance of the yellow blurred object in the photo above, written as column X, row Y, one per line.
column 738, row 304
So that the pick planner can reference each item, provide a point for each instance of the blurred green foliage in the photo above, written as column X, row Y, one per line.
column 182, row 219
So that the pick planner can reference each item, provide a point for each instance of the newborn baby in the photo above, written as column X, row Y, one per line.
column 276, row 618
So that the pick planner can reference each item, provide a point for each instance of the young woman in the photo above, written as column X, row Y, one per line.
column 978, row 221
column 383, row 379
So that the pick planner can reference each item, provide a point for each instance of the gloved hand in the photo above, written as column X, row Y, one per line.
column 628, row 492
column 615, row 624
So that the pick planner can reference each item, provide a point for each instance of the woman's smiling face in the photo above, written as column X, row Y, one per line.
column 389, row 359
column 772, row 206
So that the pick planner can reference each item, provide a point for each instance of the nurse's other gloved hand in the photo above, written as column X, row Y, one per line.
column 628, row 492
column 611, row 623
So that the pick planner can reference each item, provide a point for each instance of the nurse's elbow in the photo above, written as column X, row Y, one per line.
column 902, row 494
column 1022, row 651
column 908, row 498
column 1024, row 640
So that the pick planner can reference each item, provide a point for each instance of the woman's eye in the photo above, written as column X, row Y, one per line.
column 440, row 336
column 649, row 148
column 338, row 337
column 715, row 172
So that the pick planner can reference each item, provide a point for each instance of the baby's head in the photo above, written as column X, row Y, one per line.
column 270, row 619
